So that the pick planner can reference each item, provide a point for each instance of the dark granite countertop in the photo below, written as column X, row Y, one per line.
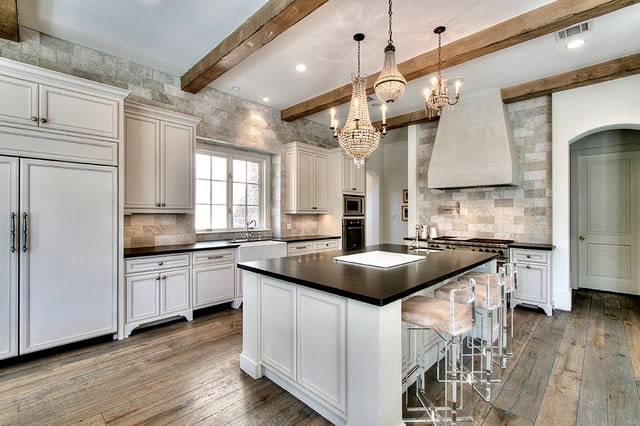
column 532, row 246
column 298, row 238
column 160, row 250
column 367, row 284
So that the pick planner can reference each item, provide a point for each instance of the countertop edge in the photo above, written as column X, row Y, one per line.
column 164, row 250
column 533, row 246
column 299, row 238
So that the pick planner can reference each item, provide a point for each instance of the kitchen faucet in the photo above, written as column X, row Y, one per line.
column 248, row 234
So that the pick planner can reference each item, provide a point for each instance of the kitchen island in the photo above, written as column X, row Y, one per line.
column 330, row 332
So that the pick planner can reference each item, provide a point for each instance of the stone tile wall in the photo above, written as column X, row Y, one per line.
column 224, row 118
column 520, row 213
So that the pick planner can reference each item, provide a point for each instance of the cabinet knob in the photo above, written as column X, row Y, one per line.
column 528, row 266
column 158, row 278
column 163, row 204
column 43, row 120
column 164, row 277
column 353, row 189
column 34, row 118
column 528, row 256
column 157, row 204
column 160, row 263
column 581, row 237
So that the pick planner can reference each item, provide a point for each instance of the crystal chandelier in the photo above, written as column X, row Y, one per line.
column 390, row 84
column 358, row 138
column 438, row 96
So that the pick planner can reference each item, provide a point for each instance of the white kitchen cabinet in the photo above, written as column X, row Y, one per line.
column 213, row 277
column 307, row 178
column 278, row 326
column 58, row 108
column 9, row 257
column 159, row 160
column 322, row 345
column 299, row 248
column 68, row 286
column 353, row 177
column 533, row 285
column 158, row 287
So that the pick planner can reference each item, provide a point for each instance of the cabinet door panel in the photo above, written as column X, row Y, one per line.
column 532, row 283
column 78, row 112
column 306, row 181
column 322, row 345
column 177, row 164
column 8, row 257
column 19, row 101
column 358, row 178
column 143, row 297
column 321, row 182
column 142, row 162
column 174, row 294
column 347, row 184
column 68, row 273
column 213, row 284
column 278, row 328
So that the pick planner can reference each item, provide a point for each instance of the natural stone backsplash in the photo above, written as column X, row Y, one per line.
column 521, row 213
column 146, row 230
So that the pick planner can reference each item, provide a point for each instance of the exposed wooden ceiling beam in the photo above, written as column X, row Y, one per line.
column 522, row 28
column 275, row 17
column 9, row 20
column 405, row 120
column 611, row 70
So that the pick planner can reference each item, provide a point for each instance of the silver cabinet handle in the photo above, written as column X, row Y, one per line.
column 214, row 257
column 43, row 120
column 24, row 231
column 34, row 118
column 12, row 228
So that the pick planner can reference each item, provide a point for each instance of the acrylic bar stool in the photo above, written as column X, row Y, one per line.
column 451, row 320
column 490, row 300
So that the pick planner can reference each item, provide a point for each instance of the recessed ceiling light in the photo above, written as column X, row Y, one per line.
column 574, row 44
column 236, row 88
column 301, row 67
column 265, row 99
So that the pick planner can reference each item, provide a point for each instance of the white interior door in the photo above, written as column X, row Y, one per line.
column 68, row 268
column 608, row 228
column 8, row 257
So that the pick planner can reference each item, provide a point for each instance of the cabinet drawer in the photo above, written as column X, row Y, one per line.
column 536, row 256
column 299, row 248
column 326, row 245
column 213, row 257
column 157, row 263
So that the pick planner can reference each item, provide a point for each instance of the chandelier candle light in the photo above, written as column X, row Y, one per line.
column 358, row 138
column 438, row 96
column 390, row 85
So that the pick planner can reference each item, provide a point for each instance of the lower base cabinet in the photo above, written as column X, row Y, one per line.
column 213, row 278
column 303, row 337
column 158, row 287
column 533, row 279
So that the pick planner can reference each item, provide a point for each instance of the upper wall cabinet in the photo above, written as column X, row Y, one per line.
column 352, row 177
column 159, row 160
column 58, row 108
column 306, row 171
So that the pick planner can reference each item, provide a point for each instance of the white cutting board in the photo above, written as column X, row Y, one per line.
column 380, row 259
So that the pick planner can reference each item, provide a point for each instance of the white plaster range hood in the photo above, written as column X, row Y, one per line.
column 474, row 145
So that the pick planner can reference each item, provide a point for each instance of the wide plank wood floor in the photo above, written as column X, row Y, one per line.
column 573, row 368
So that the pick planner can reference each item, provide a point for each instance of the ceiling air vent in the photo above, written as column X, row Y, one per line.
column 571, row 31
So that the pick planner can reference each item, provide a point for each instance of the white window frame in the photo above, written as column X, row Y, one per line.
column 232, row 154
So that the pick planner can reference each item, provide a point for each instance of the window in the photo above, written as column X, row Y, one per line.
column 231, row 190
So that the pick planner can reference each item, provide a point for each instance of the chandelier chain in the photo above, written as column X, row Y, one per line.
column 358, row 57
column 390, row 32
column 439, row 54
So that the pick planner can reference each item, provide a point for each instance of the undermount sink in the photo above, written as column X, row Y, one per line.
column 258, row 250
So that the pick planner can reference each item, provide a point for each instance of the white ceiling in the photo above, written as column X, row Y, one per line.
column 173, row 35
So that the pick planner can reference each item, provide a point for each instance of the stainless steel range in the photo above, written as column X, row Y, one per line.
column 488, row 245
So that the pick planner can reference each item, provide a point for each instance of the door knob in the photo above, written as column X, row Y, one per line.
column 581, row 237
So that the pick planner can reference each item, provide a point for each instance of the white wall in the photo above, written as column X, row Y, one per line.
column 575, row 114
column 389, row 161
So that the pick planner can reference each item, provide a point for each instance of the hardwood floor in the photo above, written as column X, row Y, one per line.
column 578, row 368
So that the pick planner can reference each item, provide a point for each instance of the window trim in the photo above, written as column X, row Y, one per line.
column 237, row 154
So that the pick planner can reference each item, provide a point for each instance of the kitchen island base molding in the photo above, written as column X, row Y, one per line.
column 282, row 340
